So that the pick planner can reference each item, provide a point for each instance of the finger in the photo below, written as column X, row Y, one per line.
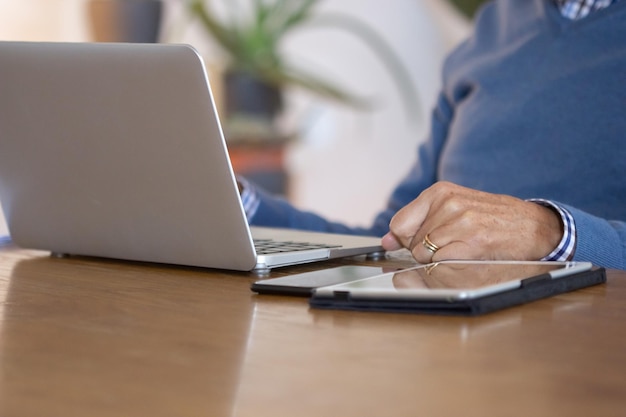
column 457, row 250
column 470, row 240
column 426, row 245
column 408, row 221
column 390, row 243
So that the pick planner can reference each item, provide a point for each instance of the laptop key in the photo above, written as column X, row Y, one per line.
column 268, row 246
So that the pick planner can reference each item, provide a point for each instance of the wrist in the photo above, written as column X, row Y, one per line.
column 563, row 249
column 249, row 198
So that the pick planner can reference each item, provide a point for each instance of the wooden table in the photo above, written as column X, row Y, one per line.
column 89, row 337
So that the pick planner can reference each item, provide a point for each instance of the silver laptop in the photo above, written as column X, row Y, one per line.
column 116, row 150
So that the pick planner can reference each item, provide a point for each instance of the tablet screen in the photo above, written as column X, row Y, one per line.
column 455, row 279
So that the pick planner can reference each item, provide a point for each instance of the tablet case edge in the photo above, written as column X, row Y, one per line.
column 530, row 291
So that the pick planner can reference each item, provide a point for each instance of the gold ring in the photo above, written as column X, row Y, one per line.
column 430, row 246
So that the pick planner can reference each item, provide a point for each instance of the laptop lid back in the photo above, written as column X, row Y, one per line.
column 116, row 150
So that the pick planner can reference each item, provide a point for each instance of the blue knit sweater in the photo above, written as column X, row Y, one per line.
column 533, row 105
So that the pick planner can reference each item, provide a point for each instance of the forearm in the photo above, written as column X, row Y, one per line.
column 274, row 211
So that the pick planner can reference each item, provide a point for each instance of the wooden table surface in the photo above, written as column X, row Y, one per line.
column 90, row 337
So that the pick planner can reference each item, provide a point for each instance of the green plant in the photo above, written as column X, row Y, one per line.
column 253, row 38
column 468, row 7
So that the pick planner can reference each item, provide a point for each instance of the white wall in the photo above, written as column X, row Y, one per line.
column 346, row 161
column 46, row 20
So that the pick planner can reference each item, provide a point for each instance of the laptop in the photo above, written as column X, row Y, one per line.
column 116, row 151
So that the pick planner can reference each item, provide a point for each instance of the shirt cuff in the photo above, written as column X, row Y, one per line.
column 249, row 198
column 565, row 249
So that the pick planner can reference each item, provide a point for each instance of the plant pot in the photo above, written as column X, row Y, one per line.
column 246, row 94
column 251, row 108
column 137, row 21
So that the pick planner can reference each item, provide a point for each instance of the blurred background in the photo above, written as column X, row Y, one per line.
column 350, row 83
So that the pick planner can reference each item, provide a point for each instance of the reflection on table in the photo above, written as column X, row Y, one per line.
column 95, row 337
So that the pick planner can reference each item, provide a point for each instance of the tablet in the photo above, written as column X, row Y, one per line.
column 469, row 287
column 304, row 283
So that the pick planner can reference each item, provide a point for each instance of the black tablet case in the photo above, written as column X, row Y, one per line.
column 532, row 289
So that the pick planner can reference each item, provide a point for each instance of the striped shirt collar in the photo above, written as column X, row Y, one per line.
column 577, row 9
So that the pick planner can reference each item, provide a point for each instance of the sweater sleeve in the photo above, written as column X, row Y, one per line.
column 600, row 241
column 277, row 212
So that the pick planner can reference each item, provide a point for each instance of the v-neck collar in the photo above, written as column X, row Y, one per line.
column 561, row 23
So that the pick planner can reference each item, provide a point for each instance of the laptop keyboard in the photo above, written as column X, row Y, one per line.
column 269, row 246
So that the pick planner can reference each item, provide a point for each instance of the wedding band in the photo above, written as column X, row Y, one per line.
column 430, row 246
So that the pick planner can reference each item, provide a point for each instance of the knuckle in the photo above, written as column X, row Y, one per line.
column 468, row 218
column 453, row 204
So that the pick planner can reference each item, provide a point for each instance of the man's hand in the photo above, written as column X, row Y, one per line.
column 469, row 224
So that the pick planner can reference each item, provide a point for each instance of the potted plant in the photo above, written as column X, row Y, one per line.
column 467, row 7
column 256, row 67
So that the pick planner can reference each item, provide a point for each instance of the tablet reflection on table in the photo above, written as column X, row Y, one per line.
column 465, row 275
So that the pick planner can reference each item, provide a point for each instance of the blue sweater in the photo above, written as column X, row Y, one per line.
column 533, row 105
